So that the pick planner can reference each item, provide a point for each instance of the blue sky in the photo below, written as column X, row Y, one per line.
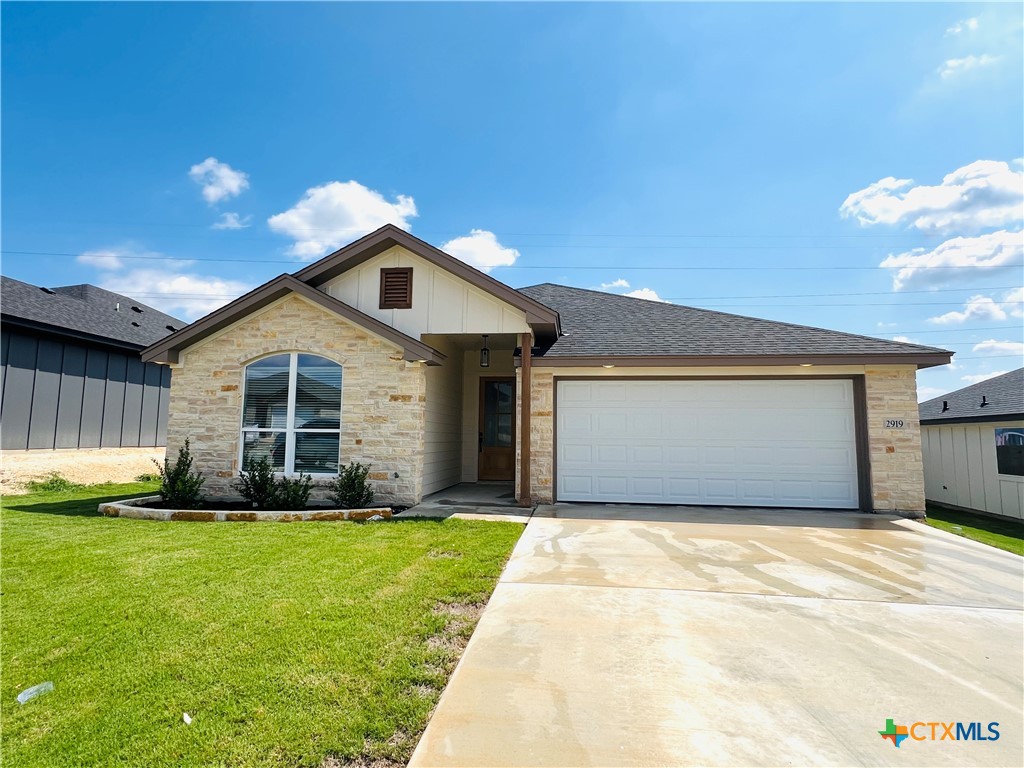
column 759, row 159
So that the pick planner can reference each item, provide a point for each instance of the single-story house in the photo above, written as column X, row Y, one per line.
column 440, row 374
column 973, row 444
column 71, row 377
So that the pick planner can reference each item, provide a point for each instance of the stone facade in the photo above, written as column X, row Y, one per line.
column 897, row 470
column 383, row 396
column 897, row 474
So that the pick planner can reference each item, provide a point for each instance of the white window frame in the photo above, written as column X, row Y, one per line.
column 289, row 429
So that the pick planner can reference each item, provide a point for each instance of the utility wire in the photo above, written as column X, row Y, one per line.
column 535, row 266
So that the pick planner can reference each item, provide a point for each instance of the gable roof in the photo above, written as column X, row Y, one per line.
column 167, row 350
column 542, row 319
column 601, row 326
column 1004, row 396
column 85, row 312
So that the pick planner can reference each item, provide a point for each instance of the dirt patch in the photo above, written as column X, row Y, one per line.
column 86, row 466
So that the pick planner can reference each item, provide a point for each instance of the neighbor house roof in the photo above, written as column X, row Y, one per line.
column 166, row 350
column 1003, row 397
column 86, row 312
column 599, row 326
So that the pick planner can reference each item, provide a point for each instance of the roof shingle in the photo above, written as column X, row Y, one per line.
column 597, row 324
column 85, row 309
column 1003, row 397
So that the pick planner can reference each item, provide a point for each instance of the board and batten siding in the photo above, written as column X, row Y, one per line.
column 442, row 449
column 441, row 302
column 960, row 469
column 59, row 394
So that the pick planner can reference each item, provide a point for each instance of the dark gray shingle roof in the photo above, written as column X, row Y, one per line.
column 85, row 309
column 1004, row 395
column 604, row 324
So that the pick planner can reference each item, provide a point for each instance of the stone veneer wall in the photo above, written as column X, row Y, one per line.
column 382, row 406
column 897, row 470
column 897, row 473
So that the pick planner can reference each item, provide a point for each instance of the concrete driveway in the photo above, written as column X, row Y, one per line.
column 623, row 636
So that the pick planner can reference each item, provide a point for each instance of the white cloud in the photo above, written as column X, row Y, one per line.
column 927, row 393
column 985, row 193
column 954, row 67
column 619, row 283
column 905, row 340
column 994, row 251
column 231, row 220
column 993, row 347
column 646, row 293
column 976, row 308
column 219, row 180
column 100, row 259
column 482, row 250
column 172, row 287
column 336, row 213
column 964, row 25
column 974, row 378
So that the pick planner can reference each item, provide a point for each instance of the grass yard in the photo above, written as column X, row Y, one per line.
column 289, row 644
column 1005, row 534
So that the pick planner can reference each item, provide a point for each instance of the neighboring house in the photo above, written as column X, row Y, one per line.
column 72, row 377
column 585, row 396
column 973, row 443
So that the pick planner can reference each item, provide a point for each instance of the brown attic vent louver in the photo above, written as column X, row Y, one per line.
column 396, row 288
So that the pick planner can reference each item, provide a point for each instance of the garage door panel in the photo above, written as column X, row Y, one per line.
column 765, row 443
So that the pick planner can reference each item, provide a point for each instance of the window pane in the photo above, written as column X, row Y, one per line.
column 266, row 392
column 316, row 452
column 1010, row 451
column 256, row 445
column 317, row 393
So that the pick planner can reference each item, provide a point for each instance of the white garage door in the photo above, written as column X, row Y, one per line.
column 730, row 442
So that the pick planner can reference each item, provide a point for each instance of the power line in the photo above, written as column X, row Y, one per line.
column 543, row 266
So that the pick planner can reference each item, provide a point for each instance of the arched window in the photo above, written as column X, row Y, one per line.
column 291, row 413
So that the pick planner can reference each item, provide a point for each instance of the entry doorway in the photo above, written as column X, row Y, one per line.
column 497, row 439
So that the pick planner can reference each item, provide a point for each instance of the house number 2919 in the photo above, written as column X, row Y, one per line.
column 894, row 423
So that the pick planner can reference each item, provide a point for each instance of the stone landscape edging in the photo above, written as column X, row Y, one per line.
column 133, row 509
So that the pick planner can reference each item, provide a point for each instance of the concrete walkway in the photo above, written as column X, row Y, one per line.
column 623, row 636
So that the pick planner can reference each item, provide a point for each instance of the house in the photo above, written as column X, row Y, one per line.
column 442, row 374
column 973, row 445
column 72, row 378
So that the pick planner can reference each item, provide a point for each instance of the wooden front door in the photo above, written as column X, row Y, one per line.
column 497, row 429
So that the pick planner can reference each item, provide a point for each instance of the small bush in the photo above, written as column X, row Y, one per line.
column 148, row 477
column 179, row 486
column 351, row 490
column 292, row 494
column 257, row 484
column 54, row 483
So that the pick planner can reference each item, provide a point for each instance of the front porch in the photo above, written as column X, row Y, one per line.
column 472, row 423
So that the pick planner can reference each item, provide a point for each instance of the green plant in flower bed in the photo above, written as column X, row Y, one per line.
column 351, row 490
column 257, row 484
column 293, row 493
column 180, row 487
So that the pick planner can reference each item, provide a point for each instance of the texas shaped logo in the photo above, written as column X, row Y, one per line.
column 895, row 733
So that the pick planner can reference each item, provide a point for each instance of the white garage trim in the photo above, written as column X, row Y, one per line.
column 735, row 441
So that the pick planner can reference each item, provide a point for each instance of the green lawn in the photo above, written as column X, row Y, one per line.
column 287, row 643
column 1006, row 534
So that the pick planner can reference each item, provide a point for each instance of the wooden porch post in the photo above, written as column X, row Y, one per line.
column 525, row 342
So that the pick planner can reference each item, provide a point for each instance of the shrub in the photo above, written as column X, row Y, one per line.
column 293, row 493
column 350, row 490
column 148, row 477
column 179, row 486
column 54, row 483
column 257, row 484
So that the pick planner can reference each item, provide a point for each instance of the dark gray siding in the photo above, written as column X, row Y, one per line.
column 59, row 394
